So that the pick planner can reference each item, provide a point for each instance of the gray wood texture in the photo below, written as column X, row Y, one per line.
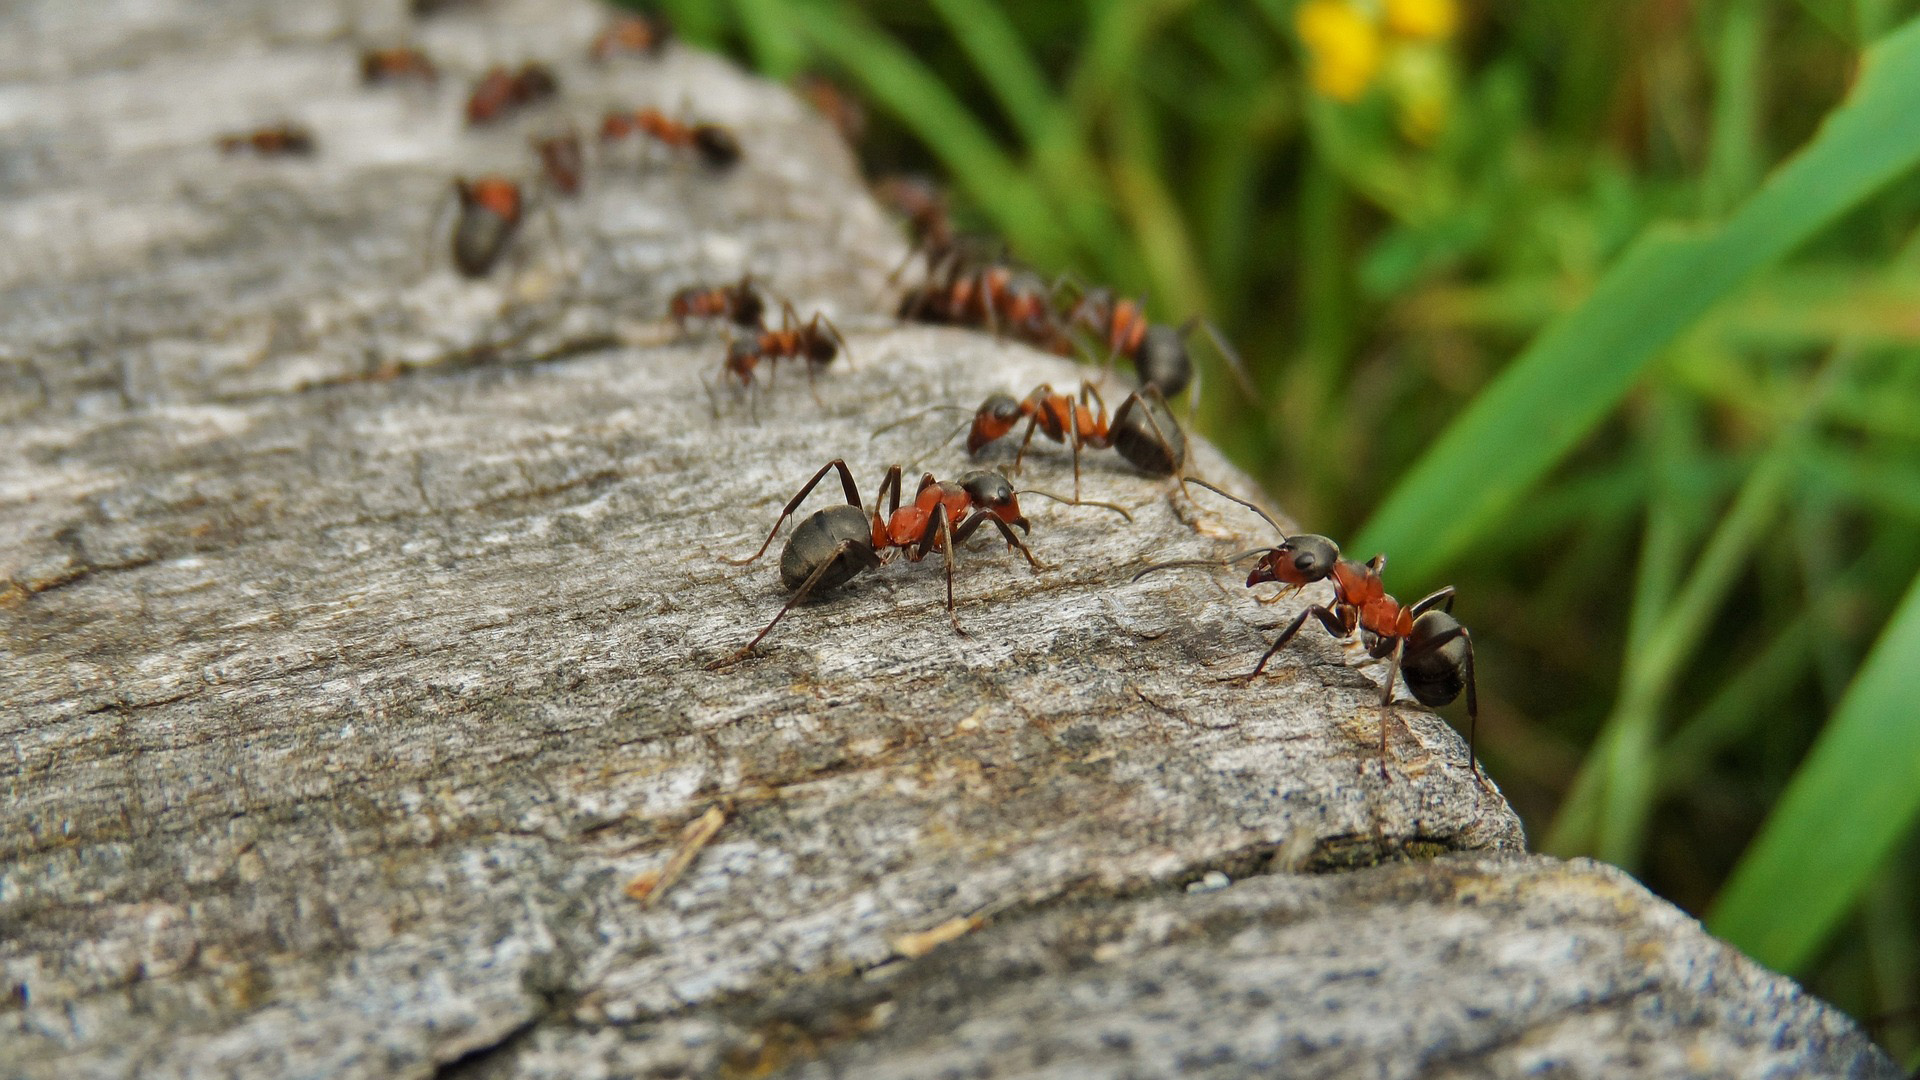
column 354, row 622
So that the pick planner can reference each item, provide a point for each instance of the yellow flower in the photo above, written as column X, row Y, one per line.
column 1343, row 47
column 1423, row 19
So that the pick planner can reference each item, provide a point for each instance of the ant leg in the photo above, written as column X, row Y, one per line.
column 940, row 529
column 845, row 349
column 889, row 493
column 845, row 548
column 1227, row 352
column 1038, row 399
column 988, row 517
column 1327, row 619
column 1440, row 598
column 846, row 483
column 1473, row 696
column 1386, row 692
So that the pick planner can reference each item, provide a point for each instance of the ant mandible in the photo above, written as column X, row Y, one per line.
column 739, row 304
column 716, row 146
column 835, row 545
column 1422, row 642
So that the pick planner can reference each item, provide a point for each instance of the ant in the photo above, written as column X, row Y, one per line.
column 1143, row 429
column 716, row 146
column 1424, row 644
column 491, row 209
column 995, row 296
column 817, row 341
column 631, row 35
column 924, row 205
column 840, row 108
column 833, row 546
column 563, row 161
column 396, row 65
column 1158, row 351
column 281, row 140
column 500, row 91
column 739, row 304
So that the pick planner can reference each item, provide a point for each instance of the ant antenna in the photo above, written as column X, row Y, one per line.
column 1121, row 510
column 1264, row 516
column 911, row 417
column 1228, row 561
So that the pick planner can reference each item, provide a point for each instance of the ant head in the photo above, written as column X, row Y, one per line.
column 992, row 491
column 996, row 417
column 1161, row 360
column 1299, row 560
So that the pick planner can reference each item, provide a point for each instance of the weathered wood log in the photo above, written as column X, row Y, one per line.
column 355, row 619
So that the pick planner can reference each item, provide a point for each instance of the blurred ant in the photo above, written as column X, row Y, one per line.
column 817, row 341
column 1424, row 644
column 998, row 297
column 563, row 161
column 500, row 91
column 739, row 304
column 396, row 65
column 717, row 147
column 924, row 204
column 1158, row 352
column 281, row 140
column 835, row 545
column 421, row 9
column 840, row 108
column 1142, row 430
column 631, row 35
column 491, row 209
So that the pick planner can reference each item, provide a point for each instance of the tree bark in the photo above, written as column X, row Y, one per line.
column 356, row 621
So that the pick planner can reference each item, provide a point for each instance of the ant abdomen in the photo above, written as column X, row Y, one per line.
column 1162, row 362
column 1146, row 434
column 1436, row 674
column 815, row 541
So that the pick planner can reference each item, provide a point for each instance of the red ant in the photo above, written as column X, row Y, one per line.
column 563, row 161
column 996, row 297
column 281, row 140
column 817, row 341
column 396, row 65
column 1158, row 352
column 500, row 91
column 835, row 545
column 631, row 35
column 715, row 145
column 840, row 108
column 924, row 205
column 491, row 209
column 1143, row 429
column 1424, row 644
column 739, row 304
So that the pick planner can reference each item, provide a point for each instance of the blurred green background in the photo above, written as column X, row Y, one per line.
column 1605, row 312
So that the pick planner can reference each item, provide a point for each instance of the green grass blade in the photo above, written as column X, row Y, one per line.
column 1578, row 370
column 1855, row 797
column 768, row 26
column 1005, row 63
column 897, row 81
